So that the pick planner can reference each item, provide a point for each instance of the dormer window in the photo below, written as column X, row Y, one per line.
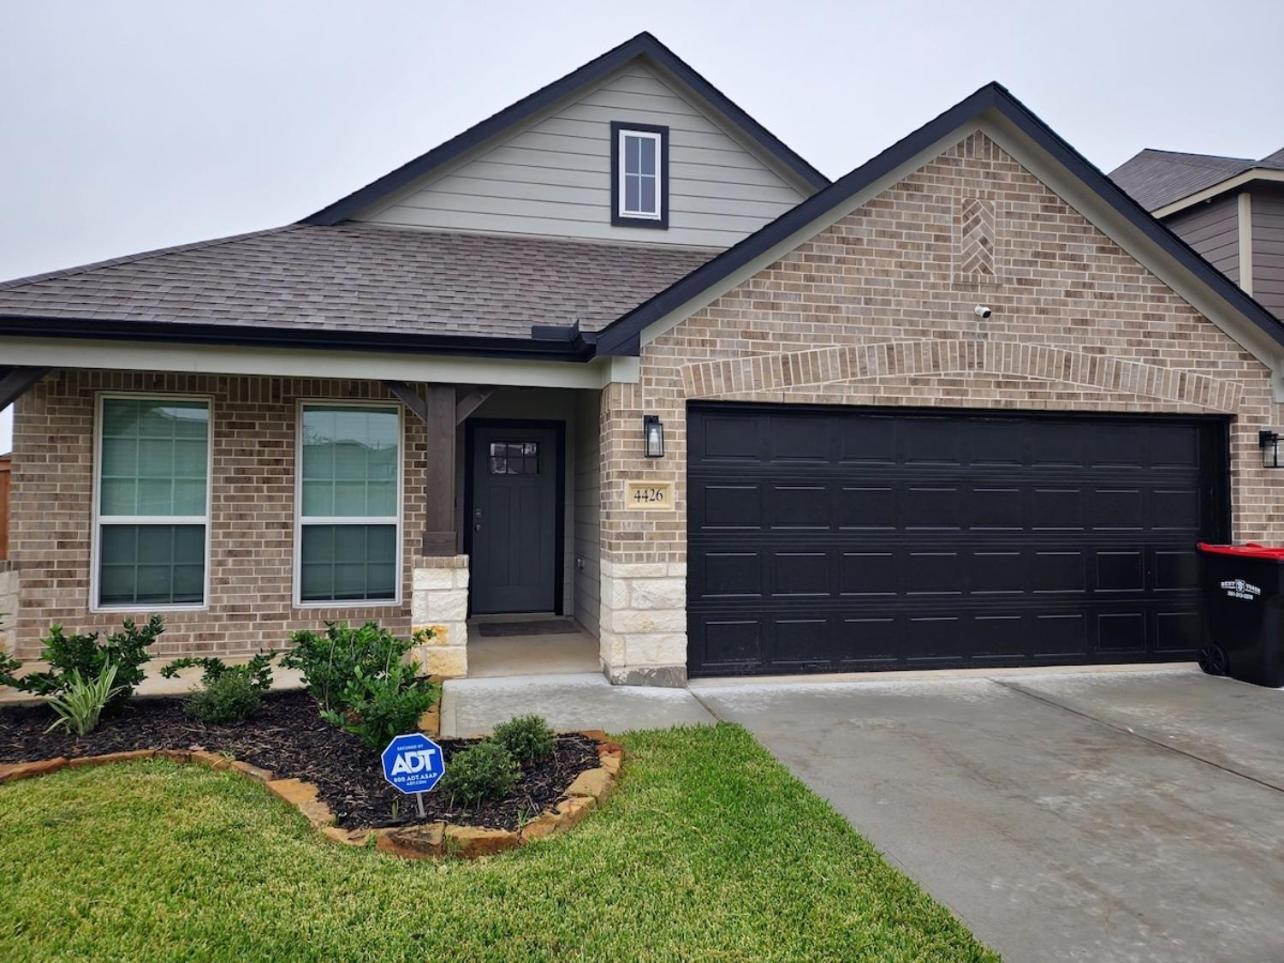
column 639, row 175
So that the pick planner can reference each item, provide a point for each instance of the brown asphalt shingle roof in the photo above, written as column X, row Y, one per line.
column 1156, row 178
column 358, row 277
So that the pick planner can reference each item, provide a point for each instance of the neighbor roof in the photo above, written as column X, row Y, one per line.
column 1157, row 178
column 643, row 45
column 353, row 278
column 623, row 336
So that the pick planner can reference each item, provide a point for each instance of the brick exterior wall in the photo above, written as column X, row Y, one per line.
column 251, row 512
column 878, row 310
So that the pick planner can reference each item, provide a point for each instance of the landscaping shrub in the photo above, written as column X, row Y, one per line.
column 480, row 773
column 80, row 702
column 258, row 670
column 527, row 738
column 376, row 707
column 329, row 661
column 229, row 697
column 82, row 656
column 227, row 693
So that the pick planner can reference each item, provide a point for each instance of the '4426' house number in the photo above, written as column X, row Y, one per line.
column 651, row 495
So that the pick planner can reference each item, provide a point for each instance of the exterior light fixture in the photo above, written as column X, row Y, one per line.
column 1269, row 442
column 653, row 434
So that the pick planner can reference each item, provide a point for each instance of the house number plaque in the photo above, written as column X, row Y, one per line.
column 649, row 495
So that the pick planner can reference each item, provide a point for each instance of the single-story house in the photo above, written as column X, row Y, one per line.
column 618, row 352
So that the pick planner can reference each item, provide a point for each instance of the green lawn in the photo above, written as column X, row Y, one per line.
column 708, row 850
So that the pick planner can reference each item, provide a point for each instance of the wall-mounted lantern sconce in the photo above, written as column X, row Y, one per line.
column 653, row 433
column 1269, row 442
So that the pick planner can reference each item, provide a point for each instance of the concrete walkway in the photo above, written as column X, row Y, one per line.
column 1085, row 816
column 473, row 707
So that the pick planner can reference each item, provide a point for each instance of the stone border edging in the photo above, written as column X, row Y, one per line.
column 423, row 841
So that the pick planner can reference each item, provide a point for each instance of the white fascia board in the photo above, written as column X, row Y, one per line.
column 305, row 363
column 1221, row 187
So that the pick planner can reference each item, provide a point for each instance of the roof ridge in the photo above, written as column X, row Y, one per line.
column 139, row 256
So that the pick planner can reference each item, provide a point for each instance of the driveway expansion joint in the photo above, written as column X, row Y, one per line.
column 1130, row 731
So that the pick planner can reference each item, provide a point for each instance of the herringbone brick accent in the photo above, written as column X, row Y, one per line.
column 976, row 239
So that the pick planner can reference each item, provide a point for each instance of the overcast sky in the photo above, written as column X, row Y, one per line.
column 134, row 125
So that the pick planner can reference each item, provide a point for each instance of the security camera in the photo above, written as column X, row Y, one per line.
column 982, row 311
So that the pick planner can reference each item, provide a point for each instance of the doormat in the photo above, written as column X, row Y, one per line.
column 496, row 630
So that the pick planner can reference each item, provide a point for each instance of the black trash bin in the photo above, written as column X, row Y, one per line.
column 1244, row 637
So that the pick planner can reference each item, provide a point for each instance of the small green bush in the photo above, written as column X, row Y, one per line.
column 230, row 697
column 527, row 738
column 480, row 773
column 377, row 707
column 81, row 701
column 329, row 661
column 81, row 656
column 258, row 670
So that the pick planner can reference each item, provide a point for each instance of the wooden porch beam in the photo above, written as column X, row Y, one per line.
column 439, row 478
column 16, row 381
column 470, row 402
column 409, row 397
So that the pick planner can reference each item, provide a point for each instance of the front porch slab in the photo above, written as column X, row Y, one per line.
column 473, row 707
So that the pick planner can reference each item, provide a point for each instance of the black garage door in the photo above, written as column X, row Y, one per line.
column 831, row 540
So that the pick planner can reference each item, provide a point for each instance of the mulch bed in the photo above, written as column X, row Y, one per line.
column 288, row 737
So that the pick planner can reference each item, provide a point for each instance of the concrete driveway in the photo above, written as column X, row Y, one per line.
column 1102, row 816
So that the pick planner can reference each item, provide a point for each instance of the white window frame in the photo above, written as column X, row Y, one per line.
column 621, row 194
column 299, row 522
column 99, row 520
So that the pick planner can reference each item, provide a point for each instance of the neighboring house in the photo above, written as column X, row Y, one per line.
column 1229, row 209
column 618, row 352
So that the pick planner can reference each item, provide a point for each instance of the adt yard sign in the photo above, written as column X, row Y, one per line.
column 413, row 763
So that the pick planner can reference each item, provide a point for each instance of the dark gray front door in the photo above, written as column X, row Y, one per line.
column 514, row 519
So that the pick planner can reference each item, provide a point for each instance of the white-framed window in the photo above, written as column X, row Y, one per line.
column 348, row 504
column 152, row 468
column 639, row 162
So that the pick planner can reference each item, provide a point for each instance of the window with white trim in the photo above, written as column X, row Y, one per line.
column 349, row 527
column 639, row 159
column 152, row 502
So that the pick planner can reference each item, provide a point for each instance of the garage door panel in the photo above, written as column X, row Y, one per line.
column 934, row 573
column 795, row 439
column 1121, row 571
column 1178, row 632
column 1175, row 570
column 1060, row 635
column 800, row 574
column 1120, row 632
column 798, row 507
column 728, row 507
column 1176, row 509
column 997, row 509
column 721, row 575
column 867, row 509
column 930, row 507
column 882, row 540
column 867, row 441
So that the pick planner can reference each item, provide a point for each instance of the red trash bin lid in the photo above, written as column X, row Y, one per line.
column 1248, row 550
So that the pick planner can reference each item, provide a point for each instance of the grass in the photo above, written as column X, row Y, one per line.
column 708, row 850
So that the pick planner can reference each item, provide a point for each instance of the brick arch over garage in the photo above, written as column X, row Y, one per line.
column 891, row 359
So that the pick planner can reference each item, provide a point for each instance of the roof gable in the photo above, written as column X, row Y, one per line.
column 644, row 46
column 1065, row 170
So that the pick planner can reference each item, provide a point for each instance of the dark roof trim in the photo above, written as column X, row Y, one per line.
column 622, row 337
column 644, row 44
column 568, row 345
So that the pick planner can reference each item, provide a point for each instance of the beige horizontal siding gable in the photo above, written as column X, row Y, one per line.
column 552, row 176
